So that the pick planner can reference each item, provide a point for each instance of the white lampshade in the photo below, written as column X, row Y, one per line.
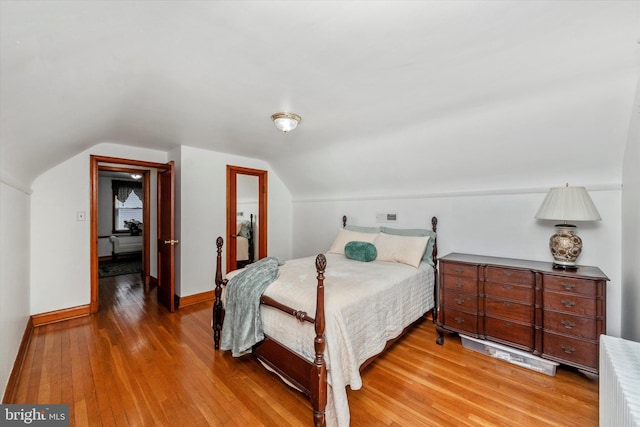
column 286, row 121
column 568, row 204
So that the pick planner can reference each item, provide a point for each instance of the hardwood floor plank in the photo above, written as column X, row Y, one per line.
column 135, row 364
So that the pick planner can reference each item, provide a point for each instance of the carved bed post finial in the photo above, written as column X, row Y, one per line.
column 344, row 221
column 218, row 310
column 319, row 369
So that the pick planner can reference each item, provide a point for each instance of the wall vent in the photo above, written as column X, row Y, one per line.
column 386, row 217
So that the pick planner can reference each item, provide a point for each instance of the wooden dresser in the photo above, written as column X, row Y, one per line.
column 555, row 314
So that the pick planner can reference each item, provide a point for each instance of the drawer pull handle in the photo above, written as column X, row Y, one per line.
column 508, row 303
column 568, row 303
column 508, row 324
column 568, row 286
column 459, row 300
column 459, row 320
column 568, row 349
column 507, row 273
column 459, row 270
column 568, row 324
column 507, row 287
column 459, row 285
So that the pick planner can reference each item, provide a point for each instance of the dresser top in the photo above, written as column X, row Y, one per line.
column 584, row 271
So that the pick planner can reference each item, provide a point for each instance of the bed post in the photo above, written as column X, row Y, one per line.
column 434, row 257
column 319, row 369
column 251, row 240
column 218, row 310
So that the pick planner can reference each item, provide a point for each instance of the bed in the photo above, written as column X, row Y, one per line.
column 353, row 321
column 244, row 242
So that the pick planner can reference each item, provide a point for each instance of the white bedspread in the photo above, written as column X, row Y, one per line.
column 366, row 304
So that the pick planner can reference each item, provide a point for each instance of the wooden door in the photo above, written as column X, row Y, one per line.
column 166, row 237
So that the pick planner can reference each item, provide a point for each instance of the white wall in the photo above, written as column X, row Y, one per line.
column 60, row 245
column 203, row 206
column 631, row 228
column 497, row 223
column 14, row 275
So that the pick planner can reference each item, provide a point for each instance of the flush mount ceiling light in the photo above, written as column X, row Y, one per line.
column 286, row 121
column 136, row 176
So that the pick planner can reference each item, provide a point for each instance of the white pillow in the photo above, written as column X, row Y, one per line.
column 346, row 236
column 403, row 249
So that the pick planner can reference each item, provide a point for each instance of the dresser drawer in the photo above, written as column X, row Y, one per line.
column 509, row 275
column 570, row 303
column 460, row 301
column 460, row 321
column 574, row 350
column 570, row 284
column 467, row 270
column 582, row 327
column 506, row 331
column 513, row 292
column 460, row 283
column 509, row 310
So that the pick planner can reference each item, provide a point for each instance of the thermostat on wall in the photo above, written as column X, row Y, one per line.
column 386, row 217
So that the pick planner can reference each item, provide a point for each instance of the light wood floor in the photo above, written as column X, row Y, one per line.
column 134, row 364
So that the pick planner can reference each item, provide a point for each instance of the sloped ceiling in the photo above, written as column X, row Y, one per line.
column 426, row 96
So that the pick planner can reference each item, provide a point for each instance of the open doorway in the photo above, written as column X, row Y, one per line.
column 157, row 206
column 247, row 193
column 123, row 222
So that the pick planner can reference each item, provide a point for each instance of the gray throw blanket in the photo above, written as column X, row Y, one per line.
column 242, row 326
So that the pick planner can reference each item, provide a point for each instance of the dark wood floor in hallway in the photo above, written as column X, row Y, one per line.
column 135, row 364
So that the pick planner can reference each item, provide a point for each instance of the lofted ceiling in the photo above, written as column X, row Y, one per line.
column 428, row 96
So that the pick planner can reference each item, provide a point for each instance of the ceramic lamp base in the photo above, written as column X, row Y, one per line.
column 565, row 247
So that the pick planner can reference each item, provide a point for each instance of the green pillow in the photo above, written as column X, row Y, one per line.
column 360, row 251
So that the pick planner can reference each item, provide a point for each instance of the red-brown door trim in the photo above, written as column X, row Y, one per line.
column 98, row 163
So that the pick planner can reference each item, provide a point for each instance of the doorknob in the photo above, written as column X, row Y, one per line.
column 171, row 242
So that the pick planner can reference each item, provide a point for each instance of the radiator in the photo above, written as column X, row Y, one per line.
column 619, row 382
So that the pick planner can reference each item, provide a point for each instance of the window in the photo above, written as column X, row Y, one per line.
column 126, row 211
column 127, row 203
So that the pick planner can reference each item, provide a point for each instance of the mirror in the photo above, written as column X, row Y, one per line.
column 247, row 231
column 246, row 216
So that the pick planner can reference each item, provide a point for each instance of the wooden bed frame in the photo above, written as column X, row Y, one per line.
column 309, row 378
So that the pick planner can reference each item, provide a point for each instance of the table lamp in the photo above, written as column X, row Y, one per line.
column 567, row 204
